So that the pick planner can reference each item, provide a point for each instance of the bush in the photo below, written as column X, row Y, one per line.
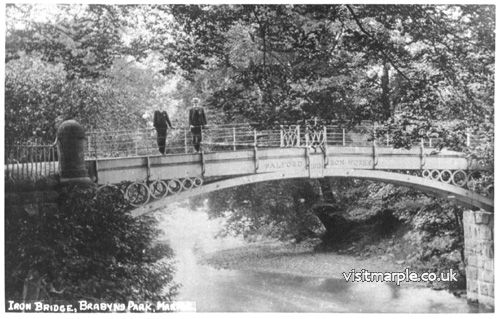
column 86, row 247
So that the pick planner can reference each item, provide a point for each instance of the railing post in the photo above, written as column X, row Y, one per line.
column 94, row 147
column 202, row 160
column 343, row 137
column 387, row 139
column 468, row 140
column 306, row 135
column 374, row 150
column 44, row 160
column 89, row 144
column 282, row 142
column 52, row 161
column 254, row 137
column 185, row 141
column 234, row 138
column 298, row 135
column 255, row 159
column 18, row 152
column 202, row 138
column 325, row 134
column 422, row 154
column 31, row 160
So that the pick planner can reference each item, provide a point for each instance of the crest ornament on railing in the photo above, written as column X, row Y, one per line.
column 290, row 136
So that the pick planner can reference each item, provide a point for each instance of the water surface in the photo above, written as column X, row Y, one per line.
column 219, row 290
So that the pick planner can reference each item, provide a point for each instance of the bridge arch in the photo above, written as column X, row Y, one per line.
column 460, row 195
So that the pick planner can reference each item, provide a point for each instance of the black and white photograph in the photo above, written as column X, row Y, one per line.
column 248, row 157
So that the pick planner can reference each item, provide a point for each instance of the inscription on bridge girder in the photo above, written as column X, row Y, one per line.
column 316, row 166
column 278, row 165
column 350, row 163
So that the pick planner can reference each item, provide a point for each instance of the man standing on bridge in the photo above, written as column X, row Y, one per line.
column 161, row 122
column 197, row 120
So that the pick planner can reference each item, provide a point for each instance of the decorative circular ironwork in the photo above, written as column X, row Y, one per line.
column 158, row 189
column 197, row 182
column 187, row 183
column 435, row 174
column 426, row 173
column 445, row 176
column 174, row 186
column 459, row 178
column 137, row 194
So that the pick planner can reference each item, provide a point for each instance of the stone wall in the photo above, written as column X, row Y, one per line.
column 479, row 255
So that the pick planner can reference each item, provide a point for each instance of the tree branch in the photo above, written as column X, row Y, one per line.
column 389, row 59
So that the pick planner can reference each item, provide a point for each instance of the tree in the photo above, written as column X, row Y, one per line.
column 278, row 209
column 88, row 247
column 36, row 92
column 344, row 62
column 84, row 38
column 81, row 62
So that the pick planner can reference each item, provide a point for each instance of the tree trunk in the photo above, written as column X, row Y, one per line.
column 385, row 98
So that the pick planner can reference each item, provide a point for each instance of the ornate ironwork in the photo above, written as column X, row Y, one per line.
column 140, row 193
column 158, row 189
column 290, row 136
column 315, row 136
column 137, row 193
column 454, row 177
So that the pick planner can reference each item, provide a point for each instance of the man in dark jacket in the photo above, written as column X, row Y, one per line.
column 197, row 120
column 161, row 122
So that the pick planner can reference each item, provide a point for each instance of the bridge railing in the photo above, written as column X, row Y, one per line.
column 32, row 161
column 27, row 161
column 244, row 136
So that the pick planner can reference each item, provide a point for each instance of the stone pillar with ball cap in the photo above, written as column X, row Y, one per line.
column 71, row 148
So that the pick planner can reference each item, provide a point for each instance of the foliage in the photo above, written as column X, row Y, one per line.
column 436, row 230
column 84, row 38
column 277, row 209
column 81, row 62
column 36, row 92
column 87, row 248
column 343, row 62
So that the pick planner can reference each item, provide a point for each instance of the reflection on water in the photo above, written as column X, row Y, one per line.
column 254, row 291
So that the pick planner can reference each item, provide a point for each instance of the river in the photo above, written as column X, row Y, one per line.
column 190, row 233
